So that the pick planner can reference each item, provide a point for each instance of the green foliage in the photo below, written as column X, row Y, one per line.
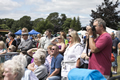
column 4, row 26
column 15, row 26
column 43, row 25
column 54, row 21
column 25, row 22
column 75, row 24
column 66, row 24
column 107, row 11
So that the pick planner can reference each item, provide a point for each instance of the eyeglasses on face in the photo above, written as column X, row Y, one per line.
column 69, row 36
column 52, row 49
column 9, row 48
column 59, row 38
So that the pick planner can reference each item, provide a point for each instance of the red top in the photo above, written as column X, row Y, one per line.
column 101, row 61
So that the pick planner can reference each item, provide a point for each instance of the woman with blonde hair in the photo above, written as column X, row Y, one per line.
column 62, row 33
column 60, row 43
column 72, row 53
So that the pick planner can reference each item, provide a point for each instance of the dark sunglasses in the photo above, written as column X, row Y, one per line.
column 9, row 48
column 69, row 36
column 59, row 38
column 53, row 49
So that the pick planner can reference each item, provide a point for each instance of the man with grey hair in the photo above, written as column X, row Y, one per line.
column 101, row 47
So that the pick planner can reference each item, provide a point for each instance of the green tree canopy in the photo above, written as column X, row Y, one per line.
column 44, row 25
column 107, row 11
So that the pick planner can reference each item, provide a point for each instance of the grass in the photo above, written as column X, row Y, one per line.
column 118, row 70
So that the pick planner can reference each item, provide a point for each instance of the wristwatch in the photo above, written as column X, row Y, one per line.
column 91, row 36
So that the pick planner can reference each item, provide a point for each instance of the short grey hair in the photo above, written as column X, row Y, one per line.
column 15, row 67
column 21, row 59
column 101, row 22
column 40, row 54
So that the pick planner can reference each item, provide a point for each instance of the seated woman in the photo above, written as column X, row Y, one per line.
column 60, row 43
column 12, row 40
column 29, row 75
column 13, row 70
column 38, row 67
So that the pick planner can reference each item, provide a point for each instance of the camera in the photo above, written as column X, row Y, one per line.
column 93, row 28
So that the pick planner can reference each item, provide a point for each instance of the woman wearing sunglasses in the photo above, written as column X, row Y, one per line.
column 59, row 41
column 72, row 54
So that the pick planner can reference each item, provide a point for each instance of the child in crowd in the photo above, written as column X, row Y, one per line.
column 2, row 50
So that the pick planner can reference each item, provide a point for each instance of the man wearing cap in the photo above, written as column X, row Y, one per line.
column 26, row 44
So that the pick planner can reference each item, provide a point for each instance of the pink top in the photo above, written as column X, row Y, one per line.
column 49, row 58
column 101, row 61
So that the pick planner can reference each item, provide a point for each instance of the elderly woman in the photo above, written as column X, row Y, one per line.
column 72, row 53
column 13, row 70
column 29, row 75
column 38, row 67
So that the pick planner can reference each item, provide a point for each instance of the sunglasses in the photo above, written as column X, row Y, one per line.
column 9, row 48
column 69, row 36
column 53, row 49
column 59, row 38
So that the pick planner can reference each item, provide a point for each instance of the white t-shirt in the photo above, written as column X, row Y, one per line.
column 73, row 53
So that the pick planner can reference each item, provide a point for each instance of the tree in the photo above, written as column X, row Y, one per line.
column 73, row 23
column 78, row 24
column 36, row 21
column 25, row 22
column 44, row 25
column 15, row 26
column 9, row 22
column 66, row 24
column 107, row 11
column 4, row 26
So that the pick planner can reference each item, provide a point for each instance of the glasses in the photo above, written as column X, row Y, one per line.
column 23, row 31
column 52, row 49
column 69, row 36
column 59, row 38
column 9, row 48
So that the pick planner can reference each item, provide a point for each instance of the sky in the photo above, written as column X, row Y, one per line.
column 15, row 9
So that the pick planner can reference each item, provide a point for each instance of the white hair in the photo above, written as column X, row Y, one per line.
column 40, row 54
column 21, row 59
column 15, row 67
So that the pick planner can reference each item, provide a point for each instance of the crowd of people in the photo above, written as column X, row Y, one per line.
column 52, row 57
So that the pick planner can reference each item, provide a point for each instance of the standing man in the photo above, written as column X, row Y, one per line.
column 46, row 41
column 101, row 48
column 26, row 44
column 114, row 51
column 55, row 73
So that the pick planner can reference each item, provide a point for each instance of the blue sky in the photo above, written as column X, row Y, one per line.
column 16, row 9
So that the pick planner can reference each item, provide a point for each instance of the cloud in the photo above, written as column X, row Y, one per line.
column 8, row 5
column 42, row 8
